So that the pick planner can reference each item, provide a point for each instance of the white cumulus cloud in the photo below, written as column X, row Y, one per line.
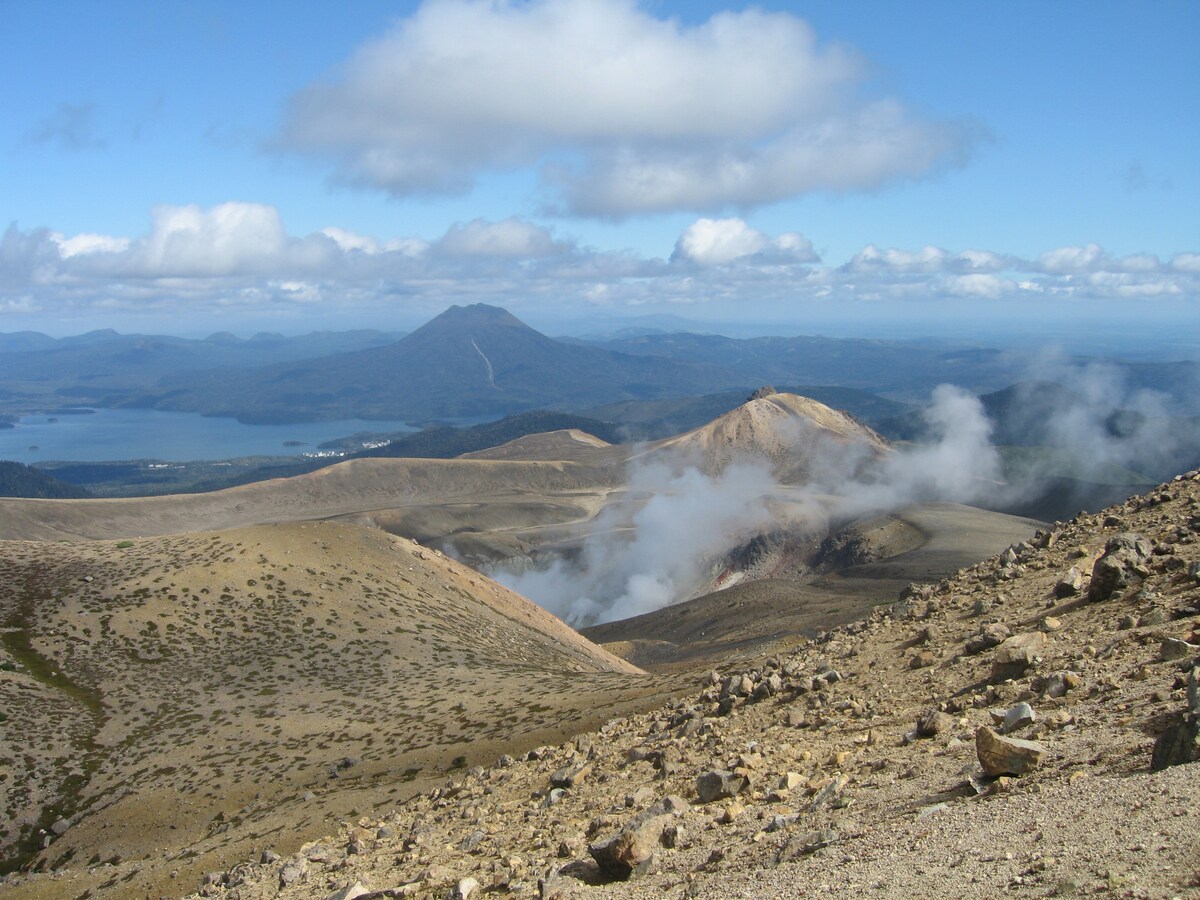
column 623, row 112
column 718, row 242
column 226, row 238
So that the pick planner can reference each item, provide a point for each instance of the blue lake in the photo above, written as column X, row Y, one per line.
column 111, row 434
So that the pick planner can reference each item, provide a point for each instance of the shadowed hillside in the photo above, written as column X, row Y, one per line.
column 18, row 480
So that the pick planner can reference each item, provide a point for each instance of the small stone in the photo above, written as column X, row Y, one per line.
column 790, row 781
column 1004, row 755
column 464, row 890
column 992, row 636
column 1018, row 717
column 570, row 776
column 795, row 718
column 922, row 660
column 1061, row 683
column 933, row 722
column 732, row 810
column 60, row 827
column 1193, row 692
column 782, row 823
column 349, row 893
column 674, row 836
column 1051, row 623
column 806, row 844
column 830, row 793
column 640, row 797
column 268, row 857
column 471, row 842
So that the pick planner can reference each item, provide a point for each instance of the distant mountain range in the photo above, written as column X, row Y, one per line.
column 468, row 361
column 480, row 361
column 104, row 368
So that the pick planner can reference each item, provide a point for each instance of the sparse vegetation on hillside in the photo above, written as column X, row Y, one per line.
column 241, row 669
column 996, row 734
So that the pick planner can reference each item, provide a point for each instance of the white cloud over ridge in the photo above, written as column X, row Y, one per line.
column 240, row 256
column 622, row 112
column 717, row 242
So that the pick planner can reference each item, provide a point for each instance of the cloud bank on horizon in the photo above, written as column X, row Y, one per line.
column 542, row 124
column 240, row 256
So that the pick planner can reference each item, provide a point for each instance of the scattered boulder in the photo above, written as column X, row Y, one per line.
column 1017, row 654
column 1180, row 743
column 1125, row 556
column 1004, row 755
column 1177, row 745
column 717, row 784
column 1154, row 616
column 292, row 871
column 992, row 636
column 1070, row 585
column 630, row 851
column 1176, row 648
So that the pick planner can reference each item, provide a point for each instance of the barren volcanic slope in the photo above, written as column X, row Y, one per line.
column 790, row 431
column 169, row 701
column 410, row 487
column 851, row 766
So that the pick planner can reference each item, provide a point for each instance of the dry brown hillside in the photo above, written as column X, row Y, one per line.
column 852, row 765
column 170, row 703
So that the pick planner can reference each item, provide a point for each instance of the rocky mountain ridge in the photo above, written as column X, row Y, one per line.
column 991, row 734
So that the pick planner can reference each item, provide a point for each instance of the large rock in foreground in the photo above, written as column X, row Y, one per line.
column 1004, row 755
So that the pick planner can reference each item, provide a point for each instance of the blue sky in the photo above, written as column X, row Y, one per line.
column 189, row 167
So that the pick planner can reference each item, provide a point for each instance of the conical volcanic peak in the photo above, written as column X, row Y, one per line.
column 790, row 431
